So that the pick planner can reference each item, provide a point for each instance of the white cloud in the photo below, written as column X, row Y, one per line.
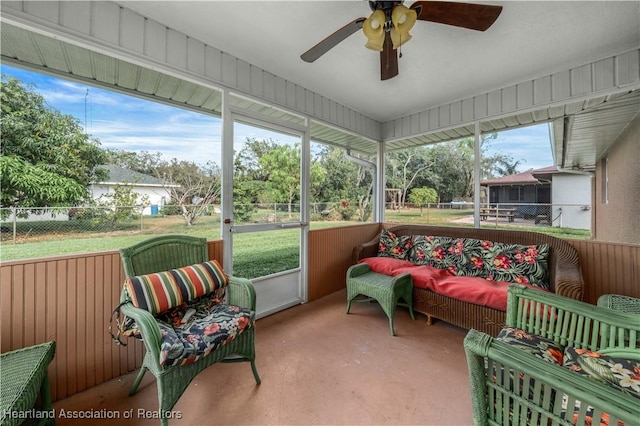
column 530, row 145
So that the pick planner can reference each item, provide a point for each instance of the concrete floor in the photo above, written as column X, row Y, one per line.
column 318, row 366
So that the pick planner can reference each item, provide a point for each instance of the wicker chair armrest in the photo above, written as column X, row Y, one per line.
column 369, row 249
column 148, row 326
column 623, row 353
column 241, row 293
column 357, row 270
column 568, row 281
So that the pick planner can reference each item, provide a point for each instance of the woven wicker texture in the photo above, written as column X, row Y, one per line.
column 386, row 290
column 24, row 378
column 565, row 276
column 170, row 252
column 618, row 302
column 511, row 387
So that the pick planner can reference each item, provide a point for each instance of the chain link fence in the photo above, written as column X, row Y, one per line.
column 39, row 224
column 39, row 232
column 33, row 224
column 36, row 223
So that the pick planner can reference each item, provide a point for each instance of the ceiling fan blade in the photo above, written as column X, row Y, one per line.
column 466, row 15
column 332, row 41
column 388, row 59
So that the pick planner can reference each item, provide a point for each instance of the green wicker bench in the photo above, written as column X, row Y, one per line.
column 386, row 290
column 510, row 386
column 24, row 380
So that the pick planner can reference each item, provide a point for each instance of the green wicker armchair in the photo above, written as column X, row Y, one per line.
column 511, row 385
column 168, row 253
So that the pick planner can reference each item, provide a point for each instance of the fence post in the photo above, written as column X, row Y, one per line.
column 15, row 225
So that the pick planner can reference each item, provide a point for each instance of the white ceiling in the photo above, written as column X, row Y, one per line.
column 439, row 65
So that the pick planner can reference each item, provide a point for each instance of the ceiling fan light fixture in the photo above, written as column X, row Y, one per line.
column 399, row 39
column 403, row 19
column 373, row 29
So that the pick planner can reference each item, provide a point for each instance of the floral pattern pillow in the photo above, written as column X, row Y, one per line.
column 517, row 263
column 537, row 346
column 467, row 255
column 621, row 373
column 392, row 245
column 431, row 250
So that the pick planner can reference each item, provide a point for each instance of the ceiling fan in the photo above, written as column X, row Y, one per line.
column 387, row 28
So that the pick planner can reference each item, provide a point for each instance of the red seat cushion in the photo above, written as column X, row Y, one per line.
column 475, row 290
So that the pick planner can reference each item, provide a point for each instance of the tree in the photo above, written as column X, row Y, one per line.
column 46, row 158
column 451, row 172
column 343, row 180
column 422, row 197
column 505, row 165
column 281, row 165
column 122, row 203
column 194, row 188
column 250, row 184
column 404, row 167
column 142, row 162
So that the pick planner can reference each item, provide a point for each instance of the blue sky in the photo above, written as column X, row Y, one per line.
column 128, row 123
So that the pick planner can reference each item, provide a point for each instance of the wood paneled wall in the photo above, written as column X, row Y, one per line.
column 609, row 268
column 330, row 256
column 69, row 299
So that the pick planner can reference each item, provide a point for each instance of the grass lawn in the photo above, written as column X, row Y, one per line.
column 52, row 238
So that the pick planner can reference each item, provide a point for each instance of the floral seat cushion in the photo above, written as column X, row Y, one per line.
column 537, row 346
column 214, row 324
column 617, row 371
column 609, row 368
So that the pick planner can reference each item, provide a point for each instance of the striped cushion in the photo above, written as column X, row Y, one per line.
column 164, row 290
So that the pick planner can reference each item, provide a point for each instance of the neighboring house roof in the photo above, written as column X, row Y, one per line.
column 524, row 178
column 120, row 175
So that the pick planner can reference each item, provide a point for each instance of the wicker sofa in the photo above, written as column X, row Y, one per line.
column 557, row 362
column 564, row 274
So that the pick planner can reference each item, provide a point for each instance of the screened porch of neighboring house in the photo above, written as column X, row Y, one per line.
column 318, row 365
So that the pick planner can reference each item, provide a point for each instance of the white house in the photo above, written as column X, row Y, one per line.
column 564, row 195
column 142, row 185
column 571, row 197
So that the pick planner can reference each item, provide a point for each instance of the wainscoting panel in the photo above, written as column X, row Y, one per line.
column 70, row 299
column 609, row 268
column 330, row 256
